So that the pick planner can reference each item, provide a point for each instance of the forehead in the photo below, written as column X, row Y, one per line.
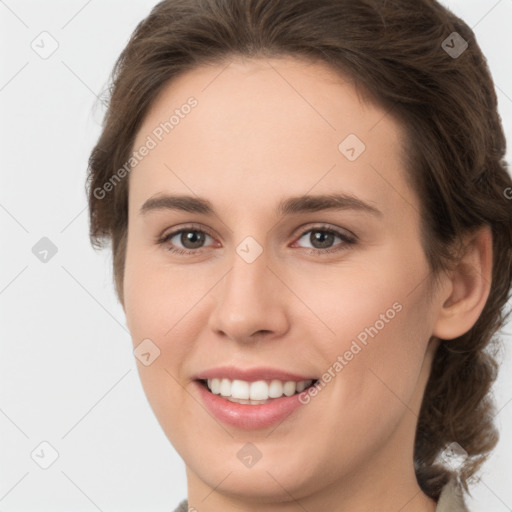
column 295, row 124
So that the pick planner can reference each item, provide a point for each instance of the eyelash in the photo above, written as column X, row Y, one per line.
column 348, row 241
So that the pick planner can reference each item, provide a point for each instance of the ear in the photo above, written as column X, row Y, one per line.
column 468, row 287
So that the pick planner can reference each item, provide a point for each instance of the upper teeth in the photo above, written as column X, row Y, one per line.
column 258, row 390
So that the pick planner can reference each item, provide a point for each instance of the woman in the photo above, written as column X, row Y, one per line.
column 307, row 204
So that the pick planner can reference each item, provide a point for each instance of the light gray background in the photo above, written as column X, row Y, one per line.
column 68, row 375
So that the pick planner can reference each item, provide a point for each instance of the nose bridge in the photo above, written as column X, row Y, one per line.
column 249, row 278
column 249, row 270
column 249, row 298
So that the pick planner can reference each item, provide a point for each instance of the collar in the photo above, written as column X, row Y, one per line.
column 451, row 499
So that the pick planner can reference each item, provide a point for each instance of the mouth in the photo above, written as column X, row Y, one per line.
column 254, row 392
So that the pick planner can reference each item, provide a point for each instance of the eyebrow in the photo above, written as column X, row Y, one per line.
column 289, row 206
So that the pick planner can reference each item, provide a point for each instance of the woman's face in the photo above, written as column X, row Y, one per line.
column 270, row 283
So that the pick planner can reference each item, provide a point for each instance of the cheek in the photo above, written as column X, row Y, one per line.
column 380, row 326
column 158, row 297
column 166, row 305
column 370, row 296
column 376, row 371
column 156, row 306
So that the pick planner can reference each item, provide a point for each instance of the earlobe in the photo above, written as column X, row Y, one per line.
column 470, row 284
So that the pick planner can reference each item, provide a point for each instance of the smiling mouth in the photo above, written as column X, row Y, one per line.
column 257, row 392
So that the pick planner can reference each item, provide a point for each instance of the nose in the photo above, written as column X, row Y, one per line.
column 250, row 302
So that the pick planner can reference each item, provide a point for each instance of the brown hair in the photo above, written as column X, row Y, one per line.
column 397, row 51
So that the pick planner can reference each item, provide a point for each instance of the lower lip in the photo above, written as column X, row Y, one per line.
column 245, row 416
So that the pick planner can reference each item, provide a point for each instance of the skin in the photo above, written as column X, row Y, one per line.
column 264, row 130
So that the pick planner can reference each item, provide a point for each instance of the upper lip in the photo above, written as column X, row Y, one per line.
column 250, row 374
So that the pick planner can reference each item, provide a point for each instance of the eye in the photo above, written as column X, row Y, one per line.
column 191, row 240
column 322, row 238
